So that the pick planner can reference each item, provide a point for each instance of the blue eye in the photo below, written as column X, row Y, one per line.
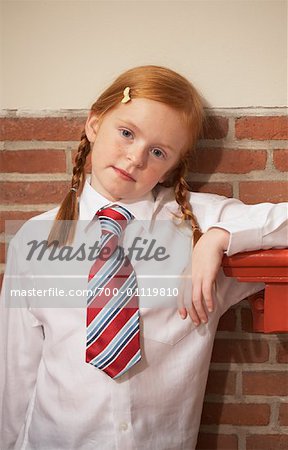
column 158, row 153
column 125, row 133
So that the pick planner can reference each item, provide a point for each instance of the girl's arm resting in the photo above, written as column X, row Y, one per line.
column 20, row 351
column 206, row 260
column 240, row 228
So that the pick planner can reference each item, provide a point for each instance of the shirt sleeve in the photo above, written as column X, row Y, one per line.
column 20, row 352
column 252, row 227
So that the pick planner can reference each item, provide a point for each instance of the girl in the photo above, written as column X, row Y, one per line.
column 141, row 133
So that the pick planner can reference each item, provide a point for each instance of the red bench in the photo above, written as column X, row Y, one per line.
column 269, row 307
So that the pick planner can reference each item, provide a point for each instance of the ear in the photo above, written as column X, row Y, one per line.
column 91, row 126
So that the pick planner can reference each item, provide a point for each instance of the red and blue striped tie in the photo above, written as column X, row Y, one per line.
column 113, row 343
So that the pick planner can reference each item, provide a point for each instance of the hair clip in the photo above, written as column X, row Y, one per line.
column 73, row 189
column 126, row 95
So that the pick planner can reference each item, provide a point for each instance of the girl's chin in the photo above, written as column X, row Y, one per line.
column 111, row 194
column 114, row 190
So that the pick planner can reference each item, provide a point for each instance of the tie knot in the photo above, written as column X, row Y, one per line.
column 114, row 219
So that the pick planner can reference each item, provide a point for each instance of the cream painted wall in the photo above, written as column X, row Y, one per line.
column 61, row 54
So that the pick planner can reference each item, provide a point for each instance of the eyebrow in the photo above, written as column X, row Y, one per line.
column 128, row 122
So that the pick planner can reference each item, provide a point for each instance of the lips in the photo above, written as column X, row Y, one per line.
column 125, row 175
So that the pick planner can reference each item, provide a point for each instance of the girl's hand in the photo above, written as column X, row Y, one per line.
column 206, row 261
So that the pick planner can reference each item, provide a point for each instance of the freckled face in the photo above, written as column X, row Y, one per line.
column 134, row 146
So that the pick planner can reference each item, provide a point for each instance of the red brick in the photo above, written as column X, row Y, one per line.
column 217, row 441
column 263, row 191
column 265, row 383
column 41, row 128
column 267, row 442
column 262, row 128
column 235, row 414
column 30, row 192
column 212, row 160
column 215, row 127
column 280, row 158
column 221, row 382
column 227, row 322
column 283, row 414
column 225, row 189
column 33, row 161
column 16, row 219
column 240, row 351
column 282, row 352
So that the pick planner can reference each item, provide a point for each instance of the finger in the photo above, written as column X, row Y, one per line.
column 180, row 302
column 207, row 295
column 183, row 313
column 197, row 302
column 193, row 315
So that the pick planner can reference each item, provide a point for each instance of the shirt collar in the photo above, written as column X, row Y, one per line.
column 90, row 201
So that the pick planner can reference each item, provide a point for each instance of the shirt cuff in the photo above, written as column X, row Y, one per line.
column 242, row 238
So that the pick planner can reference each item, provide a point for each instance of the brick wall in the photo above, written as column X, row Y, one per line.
column 243, row 154
column 246, row 402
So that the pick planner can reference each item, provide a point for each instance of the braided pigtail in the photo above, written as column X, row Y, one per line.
column 181, row 189
column 64, row 226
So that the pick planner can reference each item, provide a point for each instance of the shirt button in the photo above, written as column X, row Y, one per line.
column 123, row 426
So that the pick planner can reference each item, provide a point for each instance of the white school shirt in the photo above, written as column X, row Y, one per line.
column 54, row 400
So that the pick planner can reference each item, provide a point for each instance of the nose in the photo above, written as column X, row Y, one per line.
column 137, row 155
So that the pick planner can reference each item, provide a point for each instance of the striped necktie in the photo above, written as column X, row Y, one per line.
column 113, row 343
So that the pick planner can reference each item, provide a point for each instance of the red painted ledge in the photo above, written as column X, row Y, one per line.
column 269, row 310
